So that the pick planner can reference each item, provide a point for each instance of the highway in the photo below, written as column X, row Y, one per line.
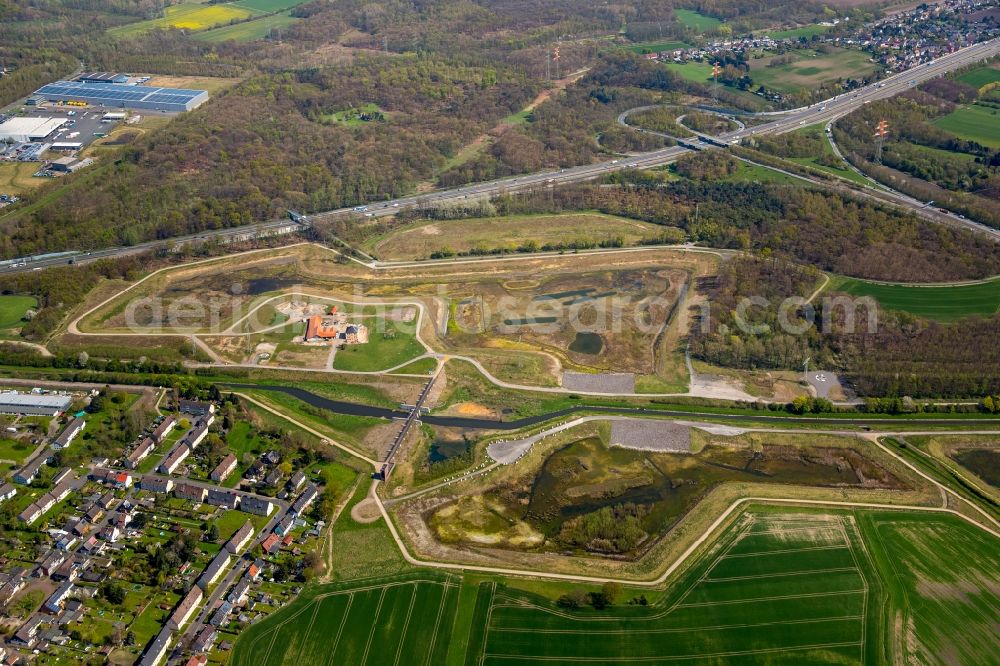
column 821, row 112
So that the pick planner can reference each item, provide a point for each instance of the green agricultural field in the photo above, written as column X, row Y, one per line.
column 974, row 122
column 980, row 77
column 697, row 21
column 942, row 303
column 692, row 71
column 248, row 31
column 191, row 16
column 782, row 585
column 811, row 70
column 400, row 620
column 806, row 31
column 785, row 588
column 12, row 309
column 268, row 6
column 657, row 47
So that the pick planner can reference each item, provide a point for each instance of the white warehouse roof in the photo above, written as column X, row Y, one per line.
column 29, row 129
column 15, row 399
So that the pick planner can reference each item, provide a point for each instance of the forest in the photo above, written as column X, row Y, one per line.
column 828, row 230
column 901, row 355
column 922, row 159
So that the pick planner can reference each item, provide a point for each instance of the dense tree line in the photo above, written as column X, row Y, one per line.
column 249, row 154
column 900, row 355
column 824, row 229
column 922, row 159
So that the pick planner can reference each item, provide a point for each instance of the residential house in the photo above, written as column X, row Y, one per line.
column 140, row 452
column 255, row 569
column 224, row 498
column 197, row 435
column 162, row 430
column 61, row 475
column 157, row 650
column 219, row 618
column 111, row 533
column 185, row 609
column 224, row 468
column 273, row 478
column 67, row 571
column 190, row 492
column 94, row 514
column 62, row 491
column 157, row 485
column 256, row 505
column 54, row 603
column 214, row 569
column 31, row 513
column 195, row 407
column 106, row 500
column 69, row 433
column 27, row 634
column 174, row 459
column 7, row 491
column 241, row 538
column 297, row 480
column 307, row 497
column 204, row 639
column 29, row 472
column 238, row 594
column 271, row 544
column 52, row 560
column 286, row 524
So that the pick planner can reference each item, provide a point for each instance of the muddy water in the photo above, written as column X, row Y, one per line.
column 668, row 485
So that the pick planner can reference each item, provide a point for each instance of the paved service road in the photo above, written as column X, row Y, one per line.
column 788, row 121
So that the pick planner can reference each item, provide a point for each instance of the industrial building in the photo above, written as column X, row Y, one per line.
column 33, row 404
column 102, row 77
column 125, row 97
column 22, row 130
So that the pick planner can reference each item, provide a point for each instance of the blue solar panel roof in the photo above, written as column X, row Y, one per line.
column 116, row 92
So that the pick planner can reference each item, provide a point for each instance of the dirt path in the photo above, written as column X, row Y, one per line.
column 476, row 146
column 328, row 543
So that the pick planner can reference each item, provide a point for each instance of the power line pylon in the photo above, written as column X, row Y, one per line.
column 881, row 131
column 716, row 70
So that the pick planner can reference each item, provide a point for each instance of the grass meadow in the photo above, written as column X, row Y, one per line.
column 942, row 303
column 248, row 31
column 975, row 122
column 12, row 309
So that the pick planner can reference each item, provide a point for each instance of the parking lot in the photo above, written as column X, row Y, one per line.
column 826, row 384
column 80, row 127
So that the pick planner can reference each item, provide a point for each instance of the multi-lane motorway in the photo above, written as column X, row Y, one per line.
column 787, row 121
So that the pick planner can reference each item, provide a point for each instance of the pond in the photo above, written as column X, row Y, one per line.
column 446, row 449
column 587, row 343
column 984, row 463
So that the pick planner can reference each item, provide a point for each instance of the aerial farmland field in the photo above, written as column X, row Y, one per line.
column 192, row 16
column 975, row 122
column 401, row 620
column 942, row 303
column 780, row 586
